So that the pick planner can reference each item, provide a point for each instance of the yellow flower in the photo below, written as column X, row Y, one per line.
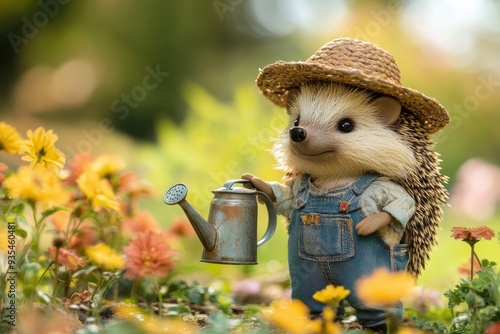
column 4, row 241
column 40, row 150
column 105, row 257
column 98, row 191
column 327, row 324
column 37, row 185
column 130, row 313
column 331, row 294
column 384, row 288
column 290, row 315
column 107, row 165
column 409, row 330
column 10, row 140
column 153, row 324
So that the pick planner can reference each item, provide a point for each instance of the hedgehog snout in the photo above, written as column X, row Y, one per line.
column 298, row 134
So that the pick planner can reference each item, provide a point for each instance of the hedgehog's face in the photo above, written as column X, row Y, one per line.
column 338, row 131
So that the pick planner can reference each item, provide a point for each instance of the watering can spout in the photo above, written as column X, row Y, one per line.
column 205, row 232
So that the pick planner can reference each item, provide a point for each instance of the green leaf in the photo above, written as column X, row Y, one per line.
column 220, row 324
column 178, row 309
column 195, row 295
column 51, row 211
column 22, row 223
column 21, row 233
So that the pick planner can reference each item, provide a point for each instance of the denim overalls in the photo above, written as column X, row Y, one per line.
column 324, row 248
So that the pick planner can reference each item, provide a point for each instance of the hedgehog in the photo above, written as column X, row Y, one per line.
column 363, row 187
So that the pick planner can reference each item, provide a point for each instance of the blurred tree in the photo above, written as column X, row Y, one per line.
column 141, row 53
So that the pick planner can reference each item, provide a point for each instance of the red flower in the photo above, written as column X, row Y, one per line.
column 66, row 258
column 472, row 233
column 494, row 328
column 344, row 206
column 148, row 255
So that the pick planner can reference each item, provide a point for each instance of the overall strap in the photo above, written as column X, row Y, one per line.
column 363, row 182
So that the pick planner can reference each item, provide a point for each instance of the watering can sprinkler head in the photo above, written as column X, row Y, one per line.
column 206, row 233
column 175, row 194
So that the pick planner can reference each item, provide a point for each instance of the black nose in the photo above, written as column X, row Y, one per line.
column 298, row 134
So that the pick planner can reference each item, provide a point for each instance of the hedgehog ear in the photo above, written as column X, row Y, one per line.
column 388, row 107
column 290, row 98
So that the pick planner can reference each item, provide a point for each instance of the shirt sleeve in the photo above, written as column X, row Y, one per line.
column 284, row 194
column 385, row 195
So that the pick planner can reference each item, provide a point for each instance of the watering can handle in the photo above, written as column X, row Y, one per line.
column 271, row 210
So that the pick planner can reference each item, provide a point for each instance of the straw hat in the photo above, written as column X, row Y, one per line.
column 355, row 63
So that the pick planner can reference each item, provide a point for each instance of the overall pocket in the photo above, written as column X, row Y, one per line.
column 328, row 238
column 399, row 256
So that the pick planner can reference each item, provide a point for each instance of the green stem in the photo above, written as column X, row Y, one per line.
column 36, row 237
column 472, row 261
column 56, row 283
column 160, row 298
column 44, row 272
column 134, row 289
column 393, row 322
column 478, row 260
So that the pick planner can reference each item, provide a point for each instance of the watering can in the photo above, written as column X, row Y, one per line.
column 230, row 234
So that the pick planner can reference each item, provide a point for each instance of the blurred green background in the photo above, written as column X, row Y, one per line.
column 169, row 86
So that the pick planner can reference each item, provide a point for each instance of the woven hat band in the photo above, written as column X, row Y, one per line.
column 359, row 56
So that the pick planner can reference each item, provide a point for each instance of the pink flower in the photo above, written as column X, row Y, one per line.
column 143, row 221
column 482, row 232
column 3, row 167
column 472, row 233
column 66, row 258
column 148, row 255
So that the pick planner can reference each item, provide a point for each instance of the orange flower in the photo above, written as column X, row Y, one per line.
column 472, row 233
column 180, row 228
column 131, row 186
column 464, row 268
column 143, row 221
column 77, row 165
column 384, row 287
column 60, row 220
column 66, row 258
column 148, row 255
column 84, row 237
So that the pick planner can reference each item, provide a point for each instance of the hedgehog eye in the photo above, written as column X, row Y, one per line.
column 346, row 125
column 296, row 122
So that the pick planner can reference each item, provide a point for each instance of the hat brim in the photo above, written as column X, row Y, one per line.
column 276, row 79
